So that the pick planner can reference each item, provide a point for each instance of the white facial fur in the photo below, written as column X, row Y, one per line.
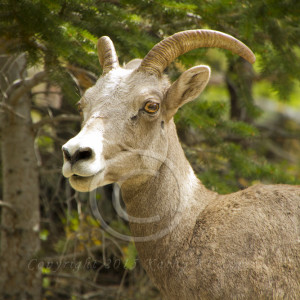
column 115, row 130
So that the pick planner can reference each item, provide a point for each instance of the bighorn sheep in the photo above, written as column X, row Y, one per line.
column 193, row 243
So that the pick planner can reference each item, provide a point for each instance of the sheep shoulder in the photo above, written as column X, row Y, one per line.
column 248, row 243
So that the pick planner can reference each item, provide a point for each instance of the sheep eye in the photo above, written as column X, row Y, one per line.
column 151, row 107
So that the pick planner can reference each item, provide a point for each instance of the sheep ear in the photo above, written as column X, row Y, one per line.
column 186, row 88
column 133, row 64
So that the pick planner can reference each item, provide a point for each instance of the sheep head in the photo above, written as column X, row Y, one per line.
column 128, row 113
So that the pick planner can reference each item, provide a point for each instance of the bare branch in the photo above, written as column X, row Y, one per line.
column 24, row 86
column 51, row 136
column 61, row 118
column 72, row 277
column 99, row 293
column 8, row 206
column 11, row 110
column 120, row 289
column 72, row 256
column 281, row 153
column 45, row 92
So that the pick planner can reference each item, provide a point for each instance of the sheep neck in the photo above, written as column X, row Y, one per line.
column 167, row 206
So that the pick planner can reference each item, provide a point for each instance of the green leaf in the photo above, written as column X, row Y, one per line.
column 130, row 256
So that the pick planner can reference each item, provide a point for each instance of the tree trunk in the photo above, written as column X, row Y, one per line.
column 20, row 214
column 239, row 80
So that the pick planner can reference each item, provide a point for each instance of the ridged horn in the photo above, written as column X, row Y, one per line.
column 107, row 54
column 163, row 53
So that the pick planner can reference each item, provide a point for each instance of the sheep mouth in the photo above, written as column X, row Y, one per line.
column 78, row 176
column 85, row 183
column 81, row 177
column 77, row 179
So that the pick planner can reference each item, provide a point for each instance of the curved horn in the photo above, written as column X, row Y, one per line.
column 107, row 54
column 163, row 53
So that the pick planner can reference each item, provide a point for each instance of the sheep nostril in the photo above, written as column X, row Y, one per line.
column 84, row 154
column 80, row 154
column 67, row 154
